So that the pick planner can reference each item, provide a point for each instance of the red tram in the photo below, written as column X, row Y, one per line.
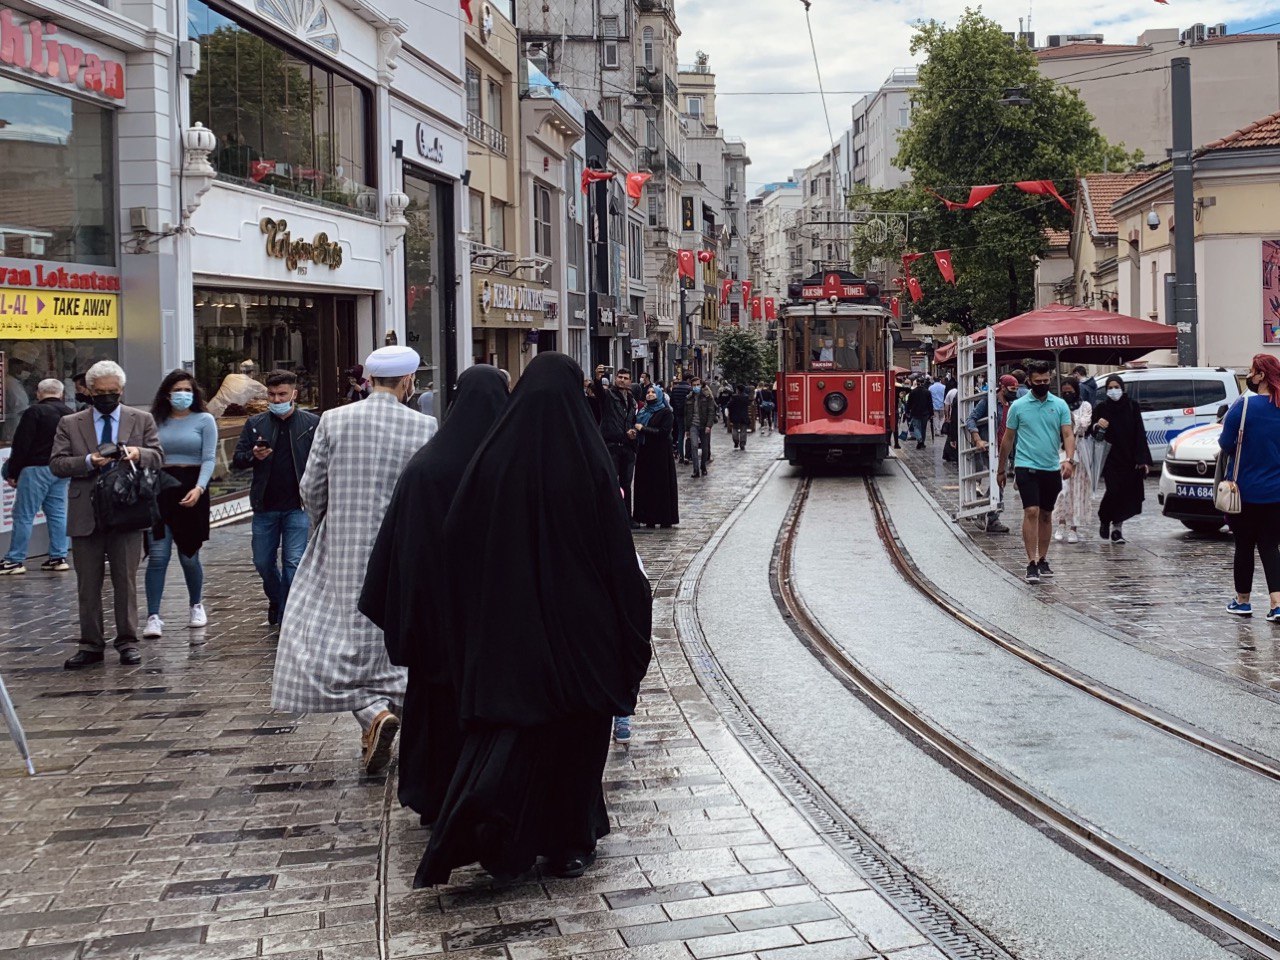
column 835, row 385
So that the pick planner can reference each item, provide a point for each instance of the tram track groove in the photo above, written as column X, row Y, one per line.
column 1165, row 884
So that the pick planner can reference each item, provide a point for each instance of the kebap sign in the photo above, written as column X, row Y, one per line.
column 43, row 303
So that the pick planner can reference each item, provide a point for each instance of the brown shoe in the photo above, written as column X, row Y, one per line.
column 377, row 742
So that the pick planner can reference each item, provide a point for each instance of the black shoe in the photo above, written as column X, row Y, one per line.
column 1046, row 572
column 694, row 475
column 919, row 446
column 82, row 659
column 130, row 657
column 735, row 446
column 55, row 565
column 1117, row 535
column 1104, row 530
column 1033, row 573
column 273, row 615
column 571, row 867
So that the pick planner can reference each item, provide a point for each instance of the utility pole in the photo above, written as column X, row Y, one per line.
column 1185, row 304
column 684, row 329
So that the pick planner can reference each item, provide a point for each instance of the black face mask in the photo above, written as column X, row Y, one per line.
column 106, row 403
column 1254, row 383
column 1072, row 400
column 1040, row 390
column 84, row 399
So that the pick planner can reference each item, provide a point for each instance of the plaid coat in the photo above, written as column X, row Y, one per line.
column 330, row 657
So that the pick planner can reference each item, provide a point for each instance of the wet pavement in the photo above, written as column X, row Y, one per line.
column 177, row 816
column 1164, row 590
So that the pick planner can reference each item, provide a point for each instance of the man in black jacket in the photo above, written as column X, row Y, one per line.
column 679, row 396
column 27, row 471
column 920, row 410
column 739, row 411
column 618, row 427
column 276, row 444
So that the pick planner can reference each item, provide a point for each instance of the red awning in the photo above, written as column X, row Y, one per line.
column 1076, row 334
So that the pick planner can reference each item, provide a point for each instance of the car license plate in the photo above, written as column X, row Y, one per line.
column 1196, row 491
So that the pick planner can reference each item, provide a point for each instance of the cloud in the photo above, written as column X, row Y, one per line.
column 763, row 46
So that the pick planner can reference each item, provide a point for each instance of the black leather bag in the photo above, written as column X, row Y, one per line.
column 125, row 498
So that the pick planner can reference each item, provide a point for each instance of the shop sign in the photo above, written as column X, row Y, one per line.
column 42, row 50
column 282, row 246
column 429, row 146
column 56, row 278
column 519, row 301
column 27, row 314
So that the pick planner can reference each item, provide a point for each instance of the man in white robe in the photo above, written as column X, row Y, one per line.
column 331, row 658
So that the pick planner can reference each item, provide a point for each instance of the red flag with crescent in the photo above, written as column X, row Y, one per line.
column 1045, row 188
column 943, row 259
column 590, row 176
column 705, row 256
column 895, row 306
column 914, row 288
column 465, row 6
column 686, row 262
column 635, row 186
column 726, row 288
column 908, row 259
column 976, row 196
column 770, row 309
column 746, row 293
column 755, row 308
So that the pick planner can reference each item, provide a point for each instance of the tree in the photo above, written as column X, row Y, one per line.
column 962, row 136
column 740, row 353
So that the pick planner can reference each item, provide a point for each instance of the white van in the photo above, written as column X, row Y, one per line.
column 1174, row 399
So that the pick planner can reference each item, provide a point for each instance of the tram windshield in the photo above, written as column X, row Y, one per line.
column 831, row 343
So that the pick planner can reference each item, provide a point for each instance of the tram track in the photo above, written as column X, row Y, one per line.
column 1164, row 885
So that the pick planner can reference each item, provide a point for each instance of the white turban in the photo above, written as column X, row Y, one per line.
column 392, row 362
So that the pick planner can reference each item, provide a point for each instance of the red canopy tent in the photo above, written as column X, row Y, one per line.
column 1058, row 332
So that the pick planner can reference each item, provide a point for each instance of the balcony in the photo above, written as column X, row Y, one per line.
column 674, row 166
column 489, row 136
column 648, row 82
column 651, row 159
column 653, row 6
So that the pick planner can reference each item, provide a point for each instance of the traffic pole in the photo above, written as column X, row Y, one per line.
column 1185, row 306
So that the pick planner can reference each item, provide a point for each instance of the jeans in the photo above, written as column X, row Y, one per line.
column 39, row 489
column 158, row 567
column 740, row 434
column 624, row 462
column 700, row 448
column 283, row 533
column 919, row 430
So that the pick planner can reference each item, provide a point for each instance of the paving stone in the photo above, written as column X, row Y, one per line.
column 874, row 919
column 851, row 949
column 822, row 930
column 782, row 916
column 705, row 906
column 732, row 943
column 677, row 930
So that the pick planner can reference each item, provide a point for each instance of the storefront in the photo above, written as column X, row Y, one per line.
column 509, row 316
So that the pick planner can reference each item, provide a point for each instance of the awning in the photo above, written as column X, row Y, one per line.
column 1077, row 334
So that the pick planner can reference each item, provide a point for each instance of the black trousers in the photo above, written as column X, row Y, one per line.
column 1257, row 530
column 624, row 461
column 677, row 438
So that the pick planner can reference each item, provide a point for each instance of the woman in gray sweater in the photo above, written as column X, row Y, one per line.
column 189, row 436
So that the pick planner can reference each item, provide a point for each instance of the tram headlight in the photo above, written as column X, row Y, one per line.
column 835, row 403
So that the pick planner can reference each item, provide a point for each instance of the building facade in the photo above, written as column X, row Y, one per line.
column 773, row 253
column 878, row 122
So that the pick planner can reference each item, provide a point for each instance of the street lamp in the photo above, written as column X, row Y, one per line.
column 1015, row 97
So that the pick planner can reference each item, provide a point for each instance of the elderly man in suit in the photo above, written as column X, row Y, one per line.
column 76, row 454
column 332, row 658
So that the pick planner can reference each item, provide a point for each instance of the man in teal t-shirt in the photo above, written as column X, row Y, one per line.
column 1038, row 426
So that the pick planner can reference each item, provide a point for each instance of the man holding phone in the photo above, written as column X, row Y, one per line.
column 276, row 444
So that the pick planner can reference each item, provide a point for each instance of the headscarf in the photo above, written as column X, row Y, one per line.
column 406, row 584
column 548, row 597
column 650, row 408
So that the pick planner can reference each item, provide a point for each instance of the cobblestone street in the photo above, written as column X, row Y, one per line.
column 176, row 816
column 1164, row 589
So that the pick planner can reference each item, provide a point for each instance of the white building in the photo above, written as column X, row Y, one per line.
column 878, row 121
column 774, row 256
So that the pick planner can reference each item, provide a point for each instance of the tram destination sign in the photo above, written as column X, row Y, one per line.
column 834, row 285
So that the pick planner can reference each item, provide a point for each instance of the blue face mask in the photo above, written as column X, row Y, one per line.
column 181, row 399
column 280, row 409
column 697, row 389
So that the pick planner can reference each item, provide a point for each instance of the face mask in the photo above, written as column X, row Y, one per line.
column 1040, row 389
column 280, row 409
column 1253, row 382
column 1115, row 393
column 1011, row 395
column 181, row 399
column 106, row 403
column 84, row 399
column 1072, row 400
column 697, row 389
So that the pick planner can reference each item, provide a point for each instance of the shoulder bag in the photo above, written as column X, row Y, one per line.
column 1226, row 493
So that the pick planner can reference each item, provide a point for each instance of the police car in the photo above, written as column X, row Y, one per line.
column 1176, row 399
column 1186, row 479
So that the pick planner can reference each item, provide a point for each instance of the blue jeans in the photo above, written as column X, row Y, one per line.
column 919, row 429
column 39, row 489
column 158, row 566
column 283, row 534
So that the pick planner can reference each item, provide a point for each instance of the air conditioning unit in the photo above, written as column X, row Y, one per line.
column 1218, row 30
column 1193, row 34
column 1055, row 40
column 539, row 54
column 1084, row 38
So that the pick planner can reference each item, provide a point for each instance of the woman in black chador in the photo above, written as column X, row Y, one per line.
column 657, row 498
column 1118, row 420
column 551, row 616
column 407, row 585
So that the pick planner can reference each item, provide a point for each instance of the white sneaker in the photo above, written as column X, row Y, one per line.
column 198, row 617
column 1057, row 534
column 154, row 627
column 1073, row 537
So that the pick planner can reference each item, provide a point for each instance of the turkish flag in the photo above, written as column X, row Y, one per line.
column 705, row 256
column 1043, row 187
column 590, row 176
column 976, row 196
column 943, row 259
column 635, row 186
column 465, row 7
column 685, row 260
column 755, row 308
column 895, row 306
column 908, row 259
column 726, row 288
column 914, row 288
column 746, row 293
column 770, row 309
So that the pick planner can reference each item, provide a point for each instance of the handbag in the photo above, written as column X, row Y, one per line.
column 1226, row 493
column 124, row 498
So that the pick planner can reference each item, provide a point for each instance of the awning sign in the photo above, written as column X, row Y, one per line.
column 44, row 315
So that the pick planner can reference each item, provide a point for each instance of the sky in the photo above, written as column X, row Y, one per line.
column 762, row 46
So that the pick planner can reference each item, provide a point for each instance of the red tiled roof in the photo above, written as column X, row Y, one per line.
column 1242, row 38
column 1260, row 133
column 1088, row 49
column 1057, row 239
column 1101, row 190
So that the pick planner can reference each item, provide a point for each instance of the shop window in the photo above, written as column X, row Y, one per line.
column 541, row 220
column 57, row 177
column 28, row 361
column 284, row 123
column 428, row 273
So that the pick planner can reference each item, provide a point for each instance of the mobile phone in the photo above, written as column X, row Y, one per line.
column 259, row 442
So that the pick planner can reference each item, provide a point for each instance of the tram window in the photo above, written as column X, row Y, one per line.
column 835, row 344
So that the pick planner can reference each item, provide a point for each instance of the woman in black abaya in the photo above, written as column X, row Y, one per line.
column 407, row 584
column 1118, row 420
column 552, row 613
column 657, row 497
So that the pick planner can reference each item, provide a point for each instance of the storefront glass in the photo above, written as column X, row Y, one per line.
column 284, row 123
column 427, row 269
